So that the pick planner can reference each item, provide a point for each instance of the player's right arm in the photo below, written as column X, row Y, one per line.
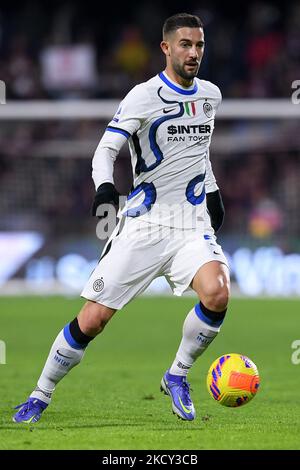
column 126, row 122
column 103, row 167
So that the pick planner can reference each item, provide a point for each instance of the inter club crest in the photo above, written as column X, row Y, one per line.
column 98, row 285
column 208, row 109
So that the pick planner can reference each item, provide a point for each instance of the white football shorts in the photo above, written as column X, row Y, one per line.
column 137, row 252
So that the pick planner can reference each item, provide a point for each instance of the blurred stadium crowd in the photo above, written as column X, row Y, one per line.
column 76, row 49
column 46, row 184
column 64, row 50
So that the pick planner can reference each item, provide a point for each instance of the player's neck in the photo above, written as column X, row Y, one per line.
column 177, row 79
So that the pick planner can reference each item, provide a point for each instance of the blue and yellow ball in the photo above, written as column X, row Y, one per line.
column 233, row 380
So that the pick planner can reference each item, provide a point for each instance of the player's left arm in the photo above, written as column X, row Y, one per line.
column 214, row 200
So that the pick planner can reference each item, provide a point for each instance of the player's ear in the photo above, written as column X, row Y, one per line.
column 165, row 47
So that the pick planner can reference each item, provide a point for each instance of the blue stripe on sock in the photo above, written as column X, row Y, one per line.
column 69, row 338
column 205, row 319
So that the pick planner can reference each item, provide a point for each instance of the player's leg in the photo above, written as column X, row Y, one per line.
column 200, row 265
column 203, row 322
column 70, row 344
column 66, row 352
column 123, row 272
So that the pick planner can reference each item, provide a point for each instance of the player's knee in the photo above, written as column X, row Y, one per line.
column 93, row 318
column 220, row 301
column 217, row 297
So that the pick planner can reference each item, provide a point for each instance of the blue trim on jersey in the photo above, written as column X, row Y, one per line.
column 138, row 150
column 207, row 237
column 119, row 131
column 141, row 164
column 190, row 195
column 69, row 338
column 145, row 206
column 152, row 138
column 176, row 88
column 205, row 319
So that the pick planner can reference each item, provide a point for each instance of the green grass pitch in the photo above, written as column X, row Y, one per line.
column 112, row 399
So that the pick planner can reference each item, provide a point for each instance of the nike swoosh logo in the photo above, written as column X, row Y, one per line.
column 28, row 421
column 204, row 335
column 166, row 111
column 68, row 357
column 216, row 253
column 184, row 408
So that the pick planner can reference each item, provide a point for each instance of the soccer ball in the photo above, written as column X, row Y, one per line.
column 233, row 380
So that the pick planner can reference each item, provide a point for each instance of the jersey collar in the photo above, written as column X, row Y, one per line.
column 178, row 89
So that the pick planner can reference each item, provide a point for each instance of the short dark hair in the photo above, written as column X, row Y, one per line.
column 181, row 20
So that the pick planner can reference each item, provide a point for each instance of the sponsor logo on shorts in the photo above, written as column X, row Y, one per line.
column 98, row 285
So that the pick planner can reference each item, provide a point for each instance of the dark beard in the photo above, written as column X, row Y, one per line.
column 183, row 74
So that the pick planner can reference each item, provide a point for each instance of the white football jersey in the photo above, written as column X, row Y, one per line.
column 169, row 130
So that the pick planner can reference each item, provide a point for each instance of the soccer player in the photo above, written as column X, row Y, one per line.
column 168, row 224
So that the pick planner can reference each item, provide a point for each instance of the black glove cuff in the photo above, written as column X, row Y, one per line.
column 106, row 193
column 216, row 209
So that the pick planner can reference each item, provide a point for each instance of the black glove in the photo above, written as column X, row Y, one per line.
column 216, row 209
column 106, row 194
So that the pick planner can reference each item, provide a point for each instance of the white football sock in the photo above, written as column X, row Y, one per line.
column 62, row 358
column 197, row 336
